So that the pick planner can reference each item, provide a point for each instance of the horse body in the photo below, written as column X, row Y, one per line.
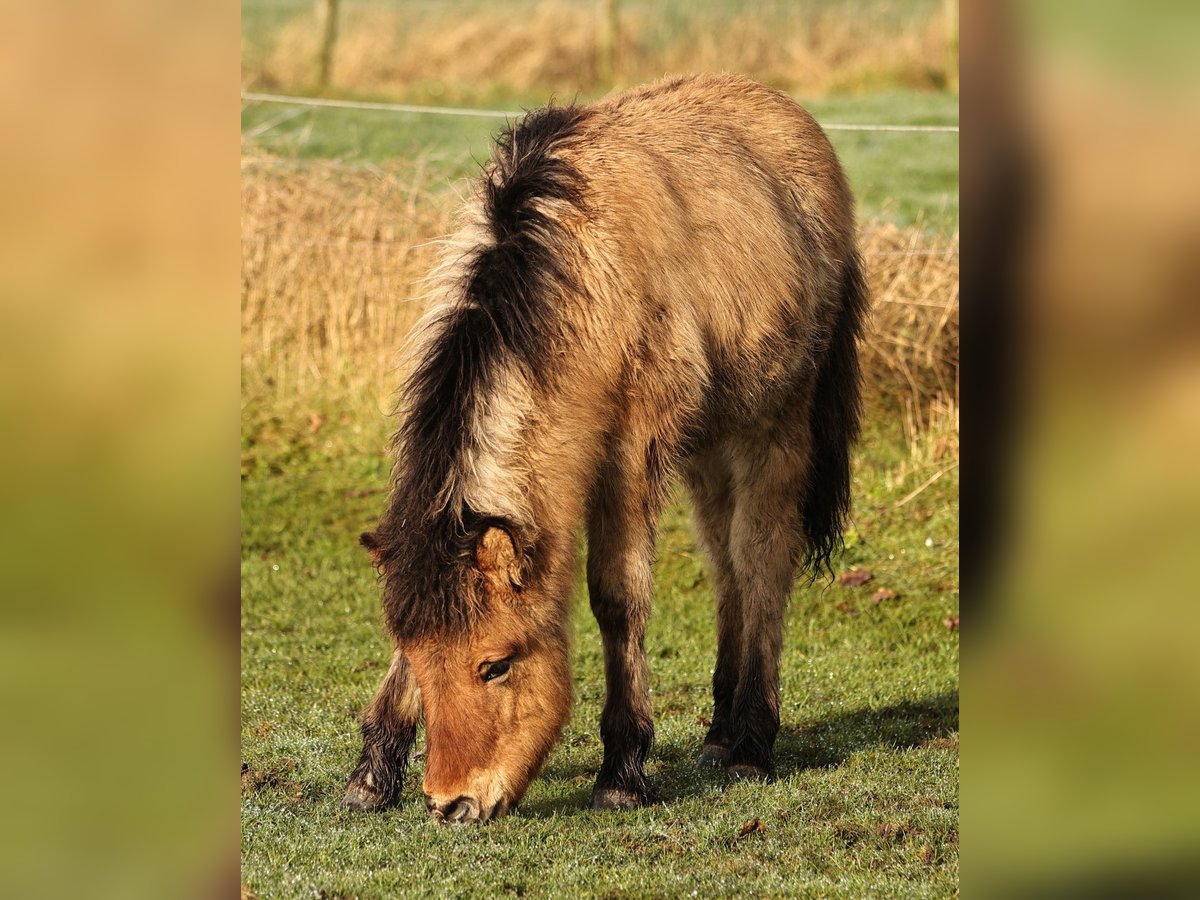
column 663, row 283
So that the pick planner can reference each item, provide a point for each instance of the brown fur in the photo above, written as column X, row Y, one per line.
column 694, row 307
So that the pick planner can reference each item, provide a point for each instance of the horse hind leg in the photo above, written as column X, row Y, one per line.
column 389, row 727
column 709, row 482
column 765, row 542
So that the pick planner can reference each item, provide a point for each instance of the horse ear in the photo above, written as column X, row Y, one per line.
column 498, row 556
column 370, row 540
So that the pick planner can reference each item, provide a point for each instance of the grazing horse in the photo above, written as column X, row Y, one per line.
column 665, row 282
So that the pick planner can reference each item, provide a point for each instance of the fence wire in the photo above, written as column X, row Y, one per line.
column 252, row 97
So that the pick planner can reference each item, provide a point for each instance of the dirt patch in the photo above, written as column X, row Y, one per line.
column 272, row 778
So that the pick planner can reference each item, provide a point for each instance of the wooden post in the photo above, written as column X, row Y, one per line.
column 327, row 22
column 607, row 36
column 950, row 13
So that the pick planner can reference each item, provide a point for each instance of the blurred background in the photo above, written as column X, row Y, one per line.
column 469, row 51
column 339, row 201
column 867, row 61
column 1081, row 492
column 134, row 204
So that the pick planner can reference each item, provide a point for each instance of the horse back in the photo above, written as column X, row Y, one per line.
column 719, row 224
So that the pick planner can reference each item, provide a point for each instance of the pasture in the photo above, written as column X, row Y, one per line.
column 337, row 207
column 908, row 179
column 866, row 803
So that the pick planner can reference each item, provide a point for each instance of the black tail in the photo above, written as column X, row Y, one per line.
column 835, row 412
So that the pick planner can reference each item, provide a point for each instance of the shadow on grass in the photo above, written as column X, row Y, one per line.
column 822, row 744
column 830, row 741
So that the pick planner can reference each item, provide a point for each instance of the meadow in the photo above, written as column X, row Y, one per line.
column 338, row 207
column 473, row 51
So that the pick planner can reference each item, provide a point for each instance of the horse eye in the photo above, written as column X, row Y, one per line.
column 492, row 671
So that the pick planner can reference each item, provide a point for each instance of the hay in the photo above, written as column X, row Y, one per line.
column 330, row 257
column 910, row 352
column 552, row 47
column 333, row 259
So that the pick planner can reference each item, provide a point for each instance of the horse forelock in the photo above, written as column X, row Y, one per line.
column 480, row 353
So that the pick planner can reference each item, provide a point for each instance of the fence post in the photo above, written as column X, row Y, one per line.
column 607, row 36
column 950, row 13
column 327, row 22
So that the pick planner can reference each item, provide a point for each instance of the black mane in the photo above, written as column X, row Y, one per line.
column 504, row 315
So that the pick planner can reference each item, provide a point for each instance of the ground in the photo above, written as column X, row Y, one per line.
column 867, row 797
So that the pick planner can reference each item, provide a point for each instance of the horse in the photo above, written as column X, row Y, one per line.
column 663, row 283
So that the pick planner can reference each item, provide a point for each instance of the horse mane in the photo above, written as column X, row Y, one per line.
column 501, row 315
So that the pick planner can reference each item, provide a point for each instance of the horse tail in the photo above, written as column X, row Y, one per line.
column 834, row 421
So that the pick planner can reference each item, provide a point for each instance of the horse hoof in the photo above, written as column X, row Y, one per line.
column 615, row 798
column 361, row 798
column 712, row 756
column 748, row 772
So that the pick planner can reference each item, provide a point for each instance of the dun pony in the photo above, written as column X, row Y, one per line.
column 663, row 283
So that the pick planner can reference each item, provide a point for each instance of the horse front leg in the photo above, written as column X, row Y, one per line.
column 620, row 554
column 389, row 727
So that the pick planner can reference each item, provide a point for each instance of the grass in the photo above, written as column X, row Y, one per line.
column 465, row 49
column 866, row 803
column 897, row 177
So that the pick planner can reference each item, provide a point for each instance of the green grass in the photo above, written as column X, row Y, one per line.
column 898, row 177
column 867, row 799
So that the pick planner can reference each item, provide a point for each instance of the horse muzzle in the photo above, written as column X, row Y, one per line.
column 462, row 810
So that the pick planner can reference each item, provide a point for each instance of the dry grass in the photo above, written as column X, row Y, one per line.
column 330, row 259
column 554, row 47
column 911, row 354
column 334, row 256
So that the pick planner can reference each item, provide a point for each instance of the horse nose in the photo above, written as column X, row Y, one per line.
column 452, row 812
